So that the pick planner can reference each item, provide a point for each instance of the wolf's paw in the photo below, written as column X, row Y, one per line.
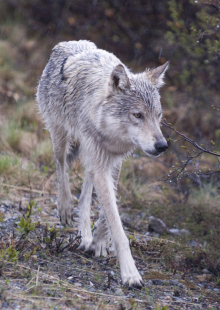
column 133, row 281
column 66, row 211
column 130, row 274
column 99, row 247
column 85, row 243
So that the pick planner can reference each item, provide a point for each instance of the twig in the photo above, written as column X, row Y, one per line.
column 37, row 277
column 150, row 237
column 189, row 140
column 27, row 189
column 46, row 184
column 180, row 170
column 32, row 279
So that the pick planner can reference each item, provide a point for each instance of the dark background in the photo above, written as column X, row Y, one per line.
column 142, row 34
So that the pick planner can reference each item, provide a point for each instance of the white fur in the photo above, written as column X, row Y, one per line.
column 90, row 101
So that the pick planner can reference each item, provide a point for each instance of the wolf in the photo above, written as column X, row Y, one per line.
column 96, row 109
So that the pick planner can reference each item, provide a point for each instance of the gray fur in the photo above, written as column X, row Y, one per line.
column 99, row 111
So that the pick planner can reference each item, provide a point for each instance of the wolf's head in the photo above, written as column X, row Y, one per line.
column 134, row 109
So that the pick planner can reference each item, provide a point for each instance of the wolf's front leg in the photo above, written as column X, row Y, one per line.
column 104, row 186
column 84, row 212
column 65, row 203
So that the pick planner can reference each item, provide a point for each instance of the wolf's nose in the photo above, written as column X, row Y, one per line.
column 161, row 146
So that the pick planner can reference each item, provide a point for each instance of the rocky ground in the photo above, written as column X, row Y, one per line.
column 41, row 267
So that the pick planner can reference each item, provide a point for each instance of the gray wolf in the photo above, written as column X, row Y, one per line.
column 98, row 110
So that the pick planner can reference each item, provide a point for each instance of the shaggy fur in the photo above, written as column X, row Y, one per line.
column 99, row 111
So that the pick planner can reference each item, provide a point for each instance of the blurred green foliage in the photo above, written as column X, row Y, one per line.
column 186, row 32
column 142, row 34
column 194, row 34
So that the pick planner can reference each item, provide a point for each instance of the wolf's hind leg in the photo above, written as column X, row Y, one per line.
column 101, row 236
column 65, row 202
column 84, row 211
column 73, row 153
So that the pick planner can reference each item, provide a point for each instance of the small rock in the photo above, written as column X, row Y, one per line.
column 43, row 214
column 53, row 212
column 148, row 283
column 205, row 271
column 195, row 299
column 204, row 277
column 181, row 285
column 157, row 282
column 34, row 257
column 184, row 232
column 179, row 232
column 178, row 276
column 174, row 282
column 157, row 225
column 4, row 305
column 194, row 243
column 216, row 290
column 176, row 293
column 121, row 307
column 119, row 292
column 174, row 231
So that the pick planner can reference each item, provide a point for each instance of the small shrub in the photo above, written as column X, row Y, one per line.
column 158, row 307
column 25, row 225
column 8, row 254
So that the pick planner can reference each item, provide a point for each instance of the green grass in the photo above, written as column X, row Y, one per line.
column 7, row 162
column 11, row 134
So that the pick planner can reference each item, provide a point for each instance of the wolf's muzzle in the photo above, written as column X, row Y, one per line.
column 161, row 146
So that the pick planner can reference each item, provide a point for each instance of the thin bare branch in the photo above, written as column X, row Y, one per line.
column 202, row 149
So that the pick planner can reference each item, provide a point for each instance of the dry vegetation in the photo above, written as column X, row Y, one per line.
column 40, row 265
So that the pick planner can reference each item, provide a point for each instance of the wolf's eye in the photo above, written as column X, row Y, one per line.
column 137, row 115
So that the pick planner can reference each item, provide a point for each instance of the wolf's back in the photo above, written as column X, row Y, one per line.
column 72, row 48
column 76, row 77
column 50, row 84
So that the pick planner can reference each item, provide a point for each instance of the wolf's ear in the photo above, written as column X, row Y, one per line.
column 156, row 75
column 119, row 78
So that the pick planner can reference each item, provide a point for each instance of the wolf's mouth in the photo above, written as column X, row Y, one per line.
column 152, row 154
column 160, row 148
